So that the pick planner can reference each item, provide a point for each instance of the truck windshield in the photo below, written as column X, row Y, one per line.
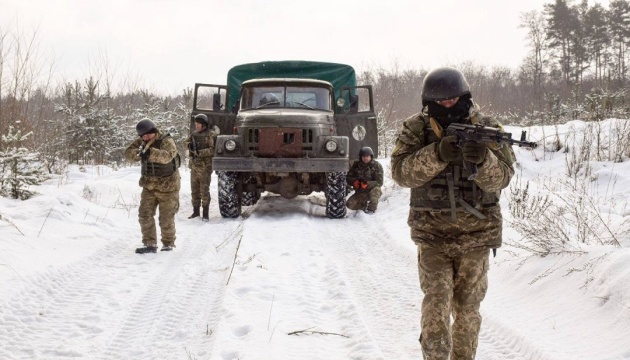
column 302, row 97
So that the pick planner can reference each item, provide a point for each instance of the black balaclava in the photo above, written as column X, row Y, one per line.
column 454, row 114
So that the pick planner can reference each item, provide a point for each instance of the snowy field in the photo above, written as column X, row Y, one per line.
column 285, row 282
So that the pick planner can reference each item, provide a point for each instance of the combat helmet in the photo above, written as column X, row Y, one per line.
column 202, row 119
column 444, row 83
column 366, row 150
column 145, row 126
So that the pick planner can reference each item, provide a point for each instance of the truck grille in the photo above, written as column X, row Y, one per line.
column 276, row 138
column 307, row 139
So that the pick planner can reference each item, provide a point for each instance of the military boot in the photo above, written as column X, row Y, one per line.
column 370, row 208
column 167, row 247
column 205, row 213
column 146, row 249
column 195, row 212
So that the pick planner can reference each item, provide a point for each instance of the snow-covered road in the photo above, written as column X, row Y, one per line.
column 280, row 282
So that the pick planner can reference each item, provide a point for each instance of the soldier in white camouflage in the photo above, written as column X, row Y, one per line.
column 366, row 178
column 454, row 221
column 200, row 146
column 160, row 182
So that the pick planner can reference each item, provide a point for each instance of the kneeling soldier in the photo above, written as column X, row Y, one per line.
column 366, row 178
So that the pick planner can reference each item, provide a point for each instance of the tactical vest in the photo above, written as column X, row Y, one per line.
column 451, row 190
column 366, row 171
column 154, row 169
column 200, row 140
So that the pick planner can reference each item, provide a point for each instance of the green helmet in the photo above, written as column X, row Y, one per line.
column 444, row 83
column 145, row 126
column 202, row 119
column 366, row 150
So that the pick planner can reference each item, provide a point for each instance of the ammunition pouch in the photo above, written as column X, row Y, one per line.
column 452, row 191
column 201, row 140
column 159, row 170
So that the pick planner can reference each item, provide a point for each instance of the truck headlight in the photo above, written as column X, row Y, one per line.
column 331, row 145
column 230, row 145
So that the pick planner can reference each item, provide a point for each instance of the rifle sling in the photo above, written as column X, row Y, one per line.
column 451, row 194
column 471, row 209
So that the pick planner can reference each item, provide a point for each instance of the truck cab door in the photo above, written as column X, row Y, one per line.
column 211, row 100
column 355, row 118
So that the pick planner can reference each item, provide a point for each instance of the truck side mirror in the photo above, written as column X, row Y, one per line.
column 216, row 102
column 354, row 103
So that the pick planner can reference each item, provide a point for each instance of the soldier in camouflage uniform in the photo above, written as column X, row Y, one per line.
column 366, row 178
column 160, row 182
column 201, row 150
column 454, row 221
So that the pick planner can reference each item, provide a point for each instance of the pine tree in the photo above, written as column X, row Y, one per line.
column 173, row 121
column 20, row 167
column 92, row 131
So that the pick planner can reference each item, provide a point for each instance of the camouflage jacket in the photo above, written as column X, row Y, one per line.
column 165, row 153
column 372, row 173
column 415, row 164
column 204, row 143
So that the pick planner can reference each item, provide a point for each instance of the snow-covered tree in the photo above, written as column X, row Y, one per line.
column 92, row 130
column 169, row 118
column 20, row 167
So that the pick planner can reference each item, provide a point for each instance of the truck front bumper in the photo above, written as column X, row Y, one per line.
column 252, row 164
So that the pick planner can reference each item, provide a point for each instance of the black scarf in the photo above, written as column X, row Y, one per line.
column 454, row 114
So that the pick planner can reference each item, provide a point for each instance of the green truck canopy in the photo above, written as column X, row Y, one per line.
column 338, row 75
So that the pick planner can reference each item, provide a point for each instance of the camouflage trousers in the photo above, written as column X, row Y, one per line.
column 362, row 200
column 200, row 177
column 168, row 202
column 454, row 283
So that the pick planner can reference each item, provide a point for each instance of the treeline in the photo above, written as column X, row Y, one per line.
column 576, row 68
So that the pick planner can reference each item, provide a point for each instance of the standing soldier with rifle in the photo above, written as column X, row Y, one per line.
column 160, row 183
column 454, row 216
column 201, row 150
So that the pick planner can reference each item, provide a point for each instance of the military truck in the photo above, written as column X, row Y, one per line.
column 286, row 127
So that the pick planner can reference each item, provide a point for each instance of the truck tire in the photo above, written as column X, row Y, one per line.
column 229, row 201
column 336, row 195
column 250, row 198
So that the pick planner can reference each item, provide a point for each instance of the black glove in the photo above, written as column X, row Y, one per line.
column 475, row 152
column 448, row 150
column 144, row 155
column 191, row 147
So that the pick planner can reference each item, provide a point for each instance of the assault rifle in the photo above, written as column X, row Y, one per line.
column 193, row 151
column 480, row 133
column 141, row 149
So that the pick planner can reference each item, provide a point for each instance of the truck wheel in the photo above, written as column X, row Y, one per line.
column 249, row 198
column 336, row 195
column 229, row 201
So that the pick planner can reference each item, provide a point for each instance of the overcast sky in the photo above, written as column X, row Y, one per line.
column 172, row 44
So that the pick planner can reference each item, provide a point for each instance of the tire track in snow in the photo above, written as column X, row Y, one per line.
column 499, row 342
column 383, row 277
column 308, row 292
column 383, row 280
column 60, row 310
column 393, row 286
column 178, row 311
column 84, row 308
